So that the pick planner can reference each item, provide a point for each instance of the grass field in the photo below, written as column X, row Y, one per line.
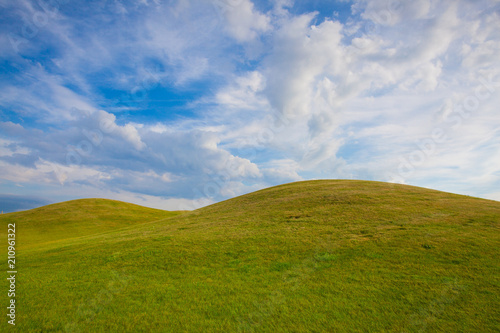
column 315, row 256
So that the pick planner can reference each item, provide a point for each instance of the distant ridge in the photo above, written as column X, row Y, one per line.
column 80, row 217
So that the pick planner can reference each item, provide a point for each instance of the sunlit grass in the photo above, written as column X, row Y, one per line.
column 317, row 256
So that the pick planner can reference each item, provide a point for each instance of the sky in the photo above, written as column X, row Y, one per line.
column 179, row 104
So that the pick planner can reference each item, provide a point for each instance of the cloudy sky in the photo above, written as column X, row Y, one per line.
column 178, row 104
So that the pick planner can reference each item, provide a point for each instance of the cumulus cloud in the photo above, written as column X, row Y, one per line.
column 402, row 91
column 390, row 12
column 95, row 151
column 244, row 93
column 244, row 22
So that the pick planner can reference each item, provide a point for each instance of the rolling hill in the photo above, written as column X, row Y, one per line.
column 77, row 218
column 314, row 256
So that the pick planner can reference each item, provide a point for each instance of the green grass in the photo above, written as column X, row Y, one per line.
column 315, row 256
column 77, row 218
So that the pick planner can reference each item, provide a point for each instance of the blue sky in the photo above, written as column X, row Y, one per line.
column 179, row 104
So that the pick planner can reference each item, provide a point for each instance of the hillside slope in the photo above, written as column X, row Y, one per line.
column 316, row 256
column 78, row 218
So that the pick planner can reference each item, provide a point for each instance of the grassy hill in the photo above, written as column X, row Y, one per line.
column 315, row 256
column 77, row 218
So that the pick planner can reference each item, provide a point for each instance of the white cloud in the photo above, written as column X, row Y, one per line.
column 301, row 55
column 244, row 22
column 9, row 148
column 44, row 96
column 283, row 170
column 289, row 97
column 107, row 123
column 244, row 94
column 390, row 12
